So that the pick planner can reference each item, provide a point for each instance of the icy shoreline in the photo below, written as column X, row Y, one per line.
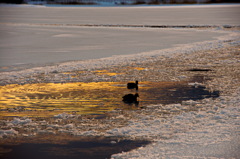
column 213, row 132
column 28, row 75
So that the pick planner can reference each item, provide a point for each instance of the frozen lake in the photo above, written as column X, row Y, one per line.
column 43, row 35
column 44, row 44
column 165, row 15
column 184, row 118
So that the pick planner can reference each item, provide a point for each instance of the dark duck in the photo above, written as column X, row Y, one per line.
column 133, row 85
column 130, row 98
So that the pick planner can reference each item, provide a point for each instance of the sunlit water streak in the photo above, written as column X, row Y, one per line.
column 48, row 99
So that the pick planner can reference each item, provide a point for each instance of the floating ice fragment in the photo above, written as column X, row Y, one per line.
column 8, row 132
column 200, row 116
column 196, row 85
column 64, row 116
column 25, row 135
column 223, row 112
column 53, row 126
column 211, row 112
column 217, row 117
column 189, row 102
column 182, row 77
column 69, row 126
column 18, row 121
column 89, row 133
column 113, row 142
column 46, row 131
column 157, row 121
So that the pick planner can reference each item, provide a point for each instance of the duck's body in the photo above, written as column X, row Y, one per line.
column 133, row 85
column 130, row 98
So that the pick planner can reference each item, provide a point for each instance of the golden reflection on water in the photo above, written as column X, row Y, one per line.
column 106, row 72
column 139, row 68
column 48, row 99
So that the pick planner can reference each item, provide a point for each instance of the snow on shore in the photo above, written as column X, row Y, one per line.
column 207, row 133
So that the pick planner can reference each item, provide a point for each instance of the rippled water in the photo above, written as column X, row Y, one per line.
column 47, row 99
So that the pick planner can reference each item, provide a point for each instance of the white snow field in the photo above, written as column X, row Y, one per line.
column 212, row 133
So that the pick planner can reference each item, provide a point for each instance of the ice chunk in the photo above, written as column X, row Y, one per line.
column 8, row 132
column 17, row 121
column 64, row 116
column 69, row 126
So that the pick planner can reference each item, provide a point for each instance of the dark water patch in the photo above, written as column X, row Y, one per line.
column 141, row 26
column 87, row 148
column 199, row 70
column 177, row 94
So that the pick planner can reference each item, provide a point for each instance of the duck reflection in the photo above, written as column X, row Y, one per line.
column 131, row 99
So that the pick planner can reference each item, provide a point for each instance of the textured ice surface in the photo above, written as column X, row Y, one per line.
column 210, row 133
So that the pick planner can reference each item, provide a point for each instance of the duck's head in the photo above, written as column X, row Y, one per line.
column 136, row 95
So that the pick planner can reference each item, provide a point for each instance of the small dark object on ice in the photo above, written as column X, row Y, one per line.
column 130, row 98
column 133, row 85
column 200, row 69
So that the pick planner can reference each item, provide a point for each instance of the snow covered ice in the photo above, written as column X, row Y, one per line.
column 207, row 133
